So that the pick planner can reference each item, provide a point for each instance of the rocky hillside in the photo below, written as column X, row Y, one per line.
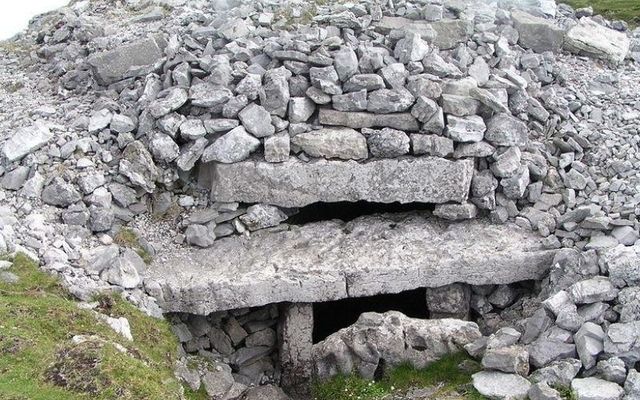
column 135, row 132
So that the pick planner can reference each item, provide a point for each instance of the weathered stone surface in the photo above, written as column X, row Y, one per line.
column 60, row 193
column 137, row 165
column 25, row 141
column 359, row 120
column 296, row 329
column 207, row 94
column 449, row 301
column 296, row 184
column 133, row 59
column 506, row 130
column 498, row 385
column 538, row 34
column 384, row 101
column 343, row 143
column 232, row 147
column 392, row 337
column 333, row 260
column 388, row 143
column 510, row 359
column 256, row 120
column 594, row 40
column 622, row 264
column 260, row 216
column 596, row 389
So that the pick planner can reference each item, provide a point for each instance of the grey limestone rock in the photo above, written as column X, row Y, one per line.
column 327, row 257
column 60, row 193
column 499, row 385
column 391, row 336
column 536, row 33
column 595, row 40
column 138, row 166
column 596, row 389
column 260, row 216
column 24, row 141
column 456, row 212
column 506, row 130
column 410, row 48
column 168, row 101
column 256, row 120
column 232, row 147
column 432, row 145
column 388, row 143
column 345, row 62
column 343, row 143
column 359, row 120
column 385, row 101
column 275, row 95
column 424, row 179
column 352, row 101
column 132, row 59
column 449, row 301
column 325, row 79
column 277, row 148
column 465, row 129
column 199, row 235
column 510, row 359
column 206, row 94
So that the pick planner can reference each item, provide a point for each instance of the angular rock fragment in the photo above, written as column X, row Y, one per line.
column 205, row 94
column 344, row 143
column 275, row 95
column 465, row 129
column 432, row 145
column 60, row 193
column 385, row 101
column 168, row 101
column 133, row 59
column 388, row 143
column 260, row 216
column 231, row 147
column 536, row 33
column 137, row 165
column 24, row 141
column 256, row 120
column 506, row 130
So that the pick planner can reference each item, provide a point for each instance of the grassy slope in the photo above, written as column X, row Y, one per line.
column 627, row 10
column 37, row 321
column 452, row 382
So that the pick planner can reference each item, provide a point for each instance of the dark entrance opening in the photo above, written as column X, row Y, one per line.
column 347, row 211
column 331, row 316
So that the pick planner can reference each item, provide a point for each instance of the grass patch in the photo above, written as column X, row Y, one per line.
column 38, row 361
column 127, row 237
column 565, row 392
column 446, row 376
column 626, row 10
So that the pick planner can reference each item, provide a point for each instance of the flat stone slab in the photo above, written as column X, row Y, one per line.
column 332, row 260
column 361, row 119
column 296, row 183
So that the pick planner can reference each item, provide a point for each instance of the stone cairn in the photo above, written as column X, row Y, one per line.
column 524, row 113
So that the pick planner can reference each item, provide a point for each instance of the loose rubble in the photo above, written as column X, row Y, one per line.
column 211, row 123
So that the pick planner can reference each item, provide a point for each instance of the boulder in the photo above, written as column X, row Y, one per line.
column 536, row 33
column 129, row 60
column 380, row 341
column 594, row 40
column 596, row 389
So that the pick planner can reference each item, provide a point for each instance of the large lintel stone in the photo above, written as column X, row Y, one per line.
column 295, row 183
column 332, row 260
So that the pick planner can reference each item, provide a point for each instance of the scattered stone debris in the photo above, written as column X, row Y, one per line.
column 214, row 122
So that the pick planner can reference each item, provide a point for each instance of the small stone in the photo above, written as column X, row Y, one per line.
column 353, row 101
column 345, row 62
column 432, row 145
column 498, row 385
column 277, row 148
column 456, row 212
column 232, row 147
column 256, row 120
column 411, row 48
column 596, row 389
column 344, row 143
column 388, row 143
column 205, row 94
column 260, row 216
column 325, row 79
column 60, row 193
column 199, row 235
column 386, row 101
column 192, row 129
column 506, row 130
column 465, row 129
column 300, row 109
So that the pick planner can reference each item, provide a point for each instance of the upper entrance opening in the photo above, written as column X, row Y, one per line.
column 331, row 316
column 347, row 211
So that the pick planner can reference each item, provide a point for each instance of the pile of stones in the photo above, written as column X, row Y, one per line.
column 244, row 340
column 529, row 113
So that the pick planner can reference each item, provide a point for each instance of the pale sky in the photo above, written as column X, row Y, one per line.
column 16, row 14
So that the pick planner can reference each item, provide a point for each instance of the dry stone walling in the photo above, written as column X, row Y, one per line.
column 527, row 154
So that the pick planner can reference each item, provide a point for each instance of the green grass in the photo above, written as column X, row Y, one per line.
column 128, row 238
column 626, row 10
column 445, row 375
column 38, row 362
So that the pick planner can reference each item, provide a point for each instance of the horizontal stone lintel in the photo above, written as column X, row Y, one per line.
column 333, row 260
column 295, row 183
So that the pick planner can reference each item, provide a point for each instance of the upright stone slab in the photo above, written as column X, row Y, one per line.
column 296, row 340
column 294, row 183
column 133, row 59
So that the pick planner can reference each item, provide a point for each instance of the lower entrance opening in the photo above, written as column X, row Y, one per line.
column 331, row 316
column 347, row 211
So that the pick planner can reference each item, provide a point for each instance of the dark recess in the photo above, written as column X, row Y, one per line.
column 331, row 316
column 347, row 211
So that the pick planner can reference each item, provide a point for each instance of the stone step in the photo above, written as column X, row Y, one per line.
column 333, row 260
column 295, row 183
